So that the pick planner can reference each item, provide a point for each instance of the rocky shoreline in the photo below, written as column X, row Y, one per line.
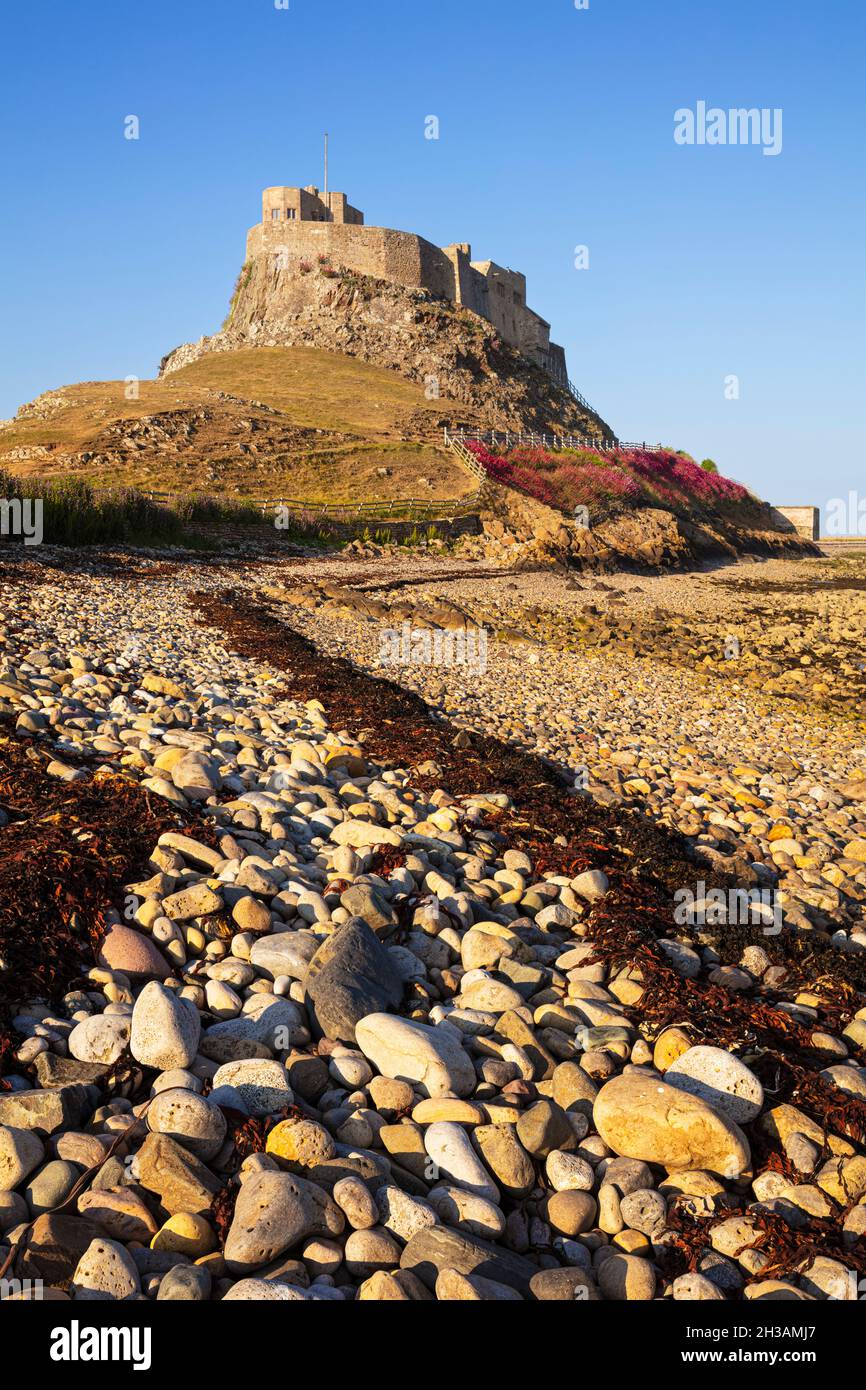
column 391, row 1012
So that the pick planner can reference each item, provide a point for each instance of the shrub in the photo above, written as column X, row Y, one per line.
column 73, row 513
column 622, row 478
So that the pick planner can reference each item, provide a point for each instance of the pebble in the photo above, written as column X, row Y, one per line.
column 121, row 1213
column 262, row 1086
column 105, row 1272
column 101, row 1038
column 165, row 1029
column 185, row 1284
column 51, row 1185
column 567, row 1172
column 572, row 1212
column 190, row 1119
column 432, row 1058
column 720, row 1079
column 453, row 1157
column 355, row 1200
column 185, row 1233
column 20, row 1152
column 370, row 1250
column 467, row 1211
column 273, row 1213
column 132, row 953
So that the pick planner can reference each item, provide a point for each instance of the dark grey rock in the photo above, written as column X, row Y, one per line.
column 111, row 1174
column 156, row 1261
column 441, row 1247
column 564, row 1286
column 55, row 1246
column 362, row 900
column 351, row 975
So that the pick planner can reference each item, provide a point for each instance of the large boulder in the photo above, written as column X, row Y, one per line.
column 350, row 976
column 408, row 1051
column 639, row 1116
column 273, row 1213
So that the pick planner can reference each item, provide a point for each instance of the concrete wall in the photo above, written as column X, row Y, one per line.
column 806, row 521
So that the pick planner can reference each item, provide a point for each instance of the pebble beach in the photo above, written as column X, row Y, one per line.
column 367, row 1003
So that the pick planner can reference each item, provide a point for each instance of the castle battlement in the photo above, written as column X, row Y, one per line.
column 302, row 224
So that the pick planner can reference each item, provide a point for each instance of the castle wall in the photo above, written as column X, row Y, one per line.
column 489, row 290
column 376, row 251
column 556, row 363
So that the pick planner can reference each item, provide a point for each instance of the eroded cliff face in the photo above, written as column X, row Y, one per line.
column 452, row 352
column 520, row 532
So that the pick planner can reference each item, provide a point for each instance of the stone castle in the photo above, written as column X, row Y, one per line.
column 301, row 225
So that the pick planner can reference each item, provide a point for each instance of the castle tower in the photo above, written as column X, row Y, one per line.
column 281, row 204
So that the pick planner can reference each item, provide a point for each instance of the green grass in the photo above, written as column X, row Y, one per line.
column 74, row 514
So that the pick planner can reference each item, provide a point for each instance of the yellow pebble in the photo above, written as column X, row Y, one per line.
column 186, row 1234
column 633, row 1242
column 671, row 1044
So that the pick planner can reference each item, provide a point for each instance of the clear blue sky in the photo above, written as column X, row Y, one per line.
column 556, row 130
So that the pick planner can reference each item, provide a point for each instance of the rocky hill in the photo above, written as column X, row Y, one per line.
column 455, row 355
column 331, row 386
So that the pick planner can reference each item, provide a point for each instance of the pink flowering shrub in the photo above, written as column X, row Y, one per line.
column 610, row 481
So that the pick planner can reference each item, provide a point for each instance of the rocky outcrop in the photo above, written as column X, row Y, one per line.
column 448, row 349
column 520, row 532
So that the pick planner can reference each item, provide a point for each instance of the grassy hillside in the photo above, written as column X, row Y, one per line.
column 295, row 422
column 319, row 390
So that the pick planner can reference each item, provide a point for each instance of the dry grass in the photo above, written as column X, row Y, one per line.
column 320, row 390
column 340, row 422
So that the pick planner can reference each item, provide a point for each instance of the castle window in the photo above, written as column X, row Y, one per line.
column 275, row 214
column 290, row 214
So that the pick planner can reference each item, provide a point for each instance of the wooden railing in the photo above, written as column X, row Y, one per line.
column 394, row 509
column 457, row 444
column 505, row 439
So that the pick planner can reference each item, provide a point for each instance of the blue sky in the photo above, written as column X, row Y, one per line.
column 556, row 130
